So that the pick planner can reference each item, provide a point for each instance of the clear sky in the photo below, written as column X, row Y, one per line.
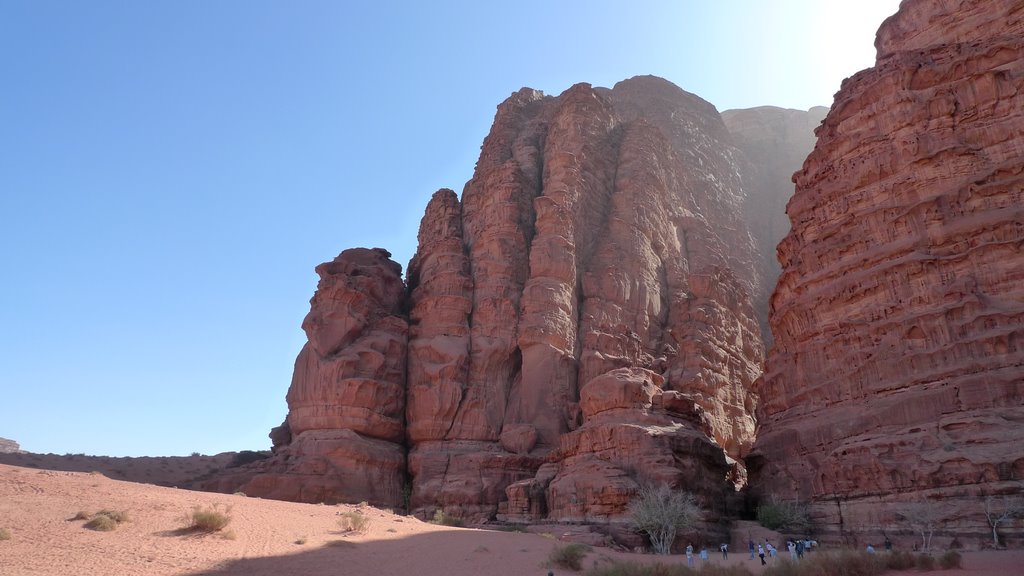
column 172, row 171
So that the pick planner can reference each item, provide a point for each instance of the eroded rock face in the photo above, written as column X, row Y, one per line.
column 602, row 230
column 580, row 322
column 898, row 367
column 343, row 439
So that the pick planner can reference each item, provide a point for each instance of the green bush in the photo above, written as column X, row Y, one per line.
column 569, row 556
column 925, row 562
column 951, row 559
column 353, row 521
column 775, row 514
column 211, row 519
column 447, row 520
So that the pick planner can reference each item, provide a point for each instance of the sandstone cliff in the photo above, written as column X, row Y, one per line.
column 897, row 373
column 343, row 439
column 774, row 141
column 579, row 323
column 601, row 230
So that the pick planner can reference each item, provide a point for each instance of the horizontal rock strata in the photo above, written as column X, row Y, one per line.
column 898, row 367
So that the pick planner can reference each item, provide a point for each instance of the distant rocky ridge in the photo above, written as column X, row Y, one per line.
column 9, row 446
column 176, row 471
column 580, row 322
column 897, row 373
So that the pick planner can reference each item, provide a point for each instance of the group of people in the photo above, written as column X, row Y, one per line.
column 764, row 551
column 796, row 549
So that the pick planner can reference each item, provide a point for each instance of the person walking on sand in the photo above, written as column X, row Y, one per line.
column 703, row 555
column 689, row 555
column 752, row 549
column 792, row 549
column 725, row 550
column 760, row 553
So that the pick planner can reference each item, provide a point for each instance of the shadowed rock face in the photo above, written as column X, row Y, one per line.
column 898, row 366
column 775, row 142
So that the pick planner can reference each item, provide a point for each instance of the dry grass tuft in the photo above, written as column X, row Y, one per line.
column 212, row 519
column 105, row 520
column 353, row 521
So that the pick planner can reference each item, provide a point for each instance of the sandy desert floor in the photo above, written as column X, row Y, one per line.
column 267, row 537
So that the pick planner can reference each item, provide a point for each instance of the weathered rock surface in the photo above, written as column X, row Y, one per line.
column 601, row 230
column 634, row 433
column 343, row 439
column 580, row 322
column 774, row 141
column 9, row 446
column 898, row 367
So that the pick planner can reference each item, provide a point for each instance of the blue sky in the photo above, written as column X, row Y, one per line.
column 171, row 173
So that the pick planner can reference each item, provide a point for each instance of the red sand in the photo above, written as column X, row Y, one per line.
column 272, row 538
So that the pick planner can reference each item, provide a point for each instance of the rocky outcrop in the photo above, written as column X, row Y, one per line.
column 602, row 230
column 343, row 438
column 9, row 446
column 579, row 323
column 774, row 141
column 898, row 367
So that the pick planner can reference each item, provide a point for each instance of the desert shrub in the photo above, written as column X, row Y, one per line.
column 101, row 523
column 212, row 519
column 447, row 519
column 899, row 560
column 775, row 514
column 118, row 516
column 569, row 556
column 711, row 569
column 5, row 534
column 353, row 521
column 627, row 568
column 105, row 520
column 951, row 559
column 660, row 512
column 925, row 562
column 80, row 515
column 832, row 563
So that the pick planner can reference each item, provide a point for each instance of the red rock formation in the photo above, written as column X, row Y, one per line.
column 343, row 437
column 775, row 142
column 579, row 323
column 601, row 230
column 898, row 367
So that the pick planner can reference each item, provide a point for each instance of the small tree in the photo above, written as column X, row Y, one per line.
column 924, row 518
column 791, row 515
column 660, row 512
column 999, row 510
